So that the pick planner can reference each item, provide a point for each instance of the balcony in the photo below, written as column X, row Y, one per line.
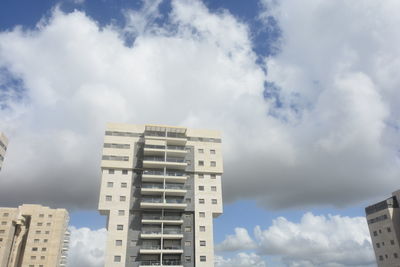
column 176, row 151
column 172, row 233
column 158, row 219
column 159, row 203
column 158, row 188
column 160, row 162
column 170, row 263
column 154, row 150
column 159, row 176
column 156, row 249
column 150, row 233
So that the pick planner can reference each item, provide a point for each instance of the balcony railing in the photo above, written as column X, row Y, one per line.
column 151, row 231
column 150, row 263
column 152, row 200
column 159, row 217
column 176, row 135
column 154, row 146
column 169, row 159
column 172, row 231
column 172, row 247
column 176, row 147
column 172, row 262
column 168, row 173
column 155, row 186
column 150, row 247
column 174, row 186
column 171, row 200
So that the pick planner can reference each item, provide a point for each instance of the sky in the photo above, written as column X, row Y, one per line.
column 304, row 92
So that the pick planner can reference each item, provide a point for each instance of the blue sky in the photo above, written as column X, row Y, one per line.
column 304, row 94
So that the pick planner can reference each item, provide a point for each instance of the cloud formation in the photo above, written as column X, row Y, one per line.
column 86, row 247
column 240, row 260
column 318, row 128
column 314, row 241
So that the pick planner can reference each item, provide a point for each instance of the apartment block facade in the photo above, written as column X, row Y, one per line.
column 33, row 236
column 3, row 148
column 160, row 190
column 384, row 226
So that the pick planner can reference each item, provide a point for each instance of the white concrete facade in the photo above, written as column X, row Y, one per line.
column 384, row 226
column 3, row 148
column 160, row 190
column 33, row 236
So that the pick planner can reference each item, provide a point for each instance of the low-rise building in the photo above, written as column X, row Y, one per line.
column 3, row 148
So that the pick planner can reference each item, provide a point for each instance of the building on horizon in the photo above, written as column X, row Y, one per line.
column 384, row 227
column 160, row 190
column 3, row 148
column 33, row 236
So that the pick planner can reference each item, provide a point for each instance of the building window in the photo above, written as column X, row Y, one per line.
column 213, row 164
column 395, row 255
column 214, row 201
column 375, row 233
column 212, row 151
column 110, row 184
column 121, row 212
column 124, row 172
column 34, row 249
column 41, row 215
column 48, row 224
column 44, row 249
column 122, row 198
column 392, row 242
column 38, row 232
column 42, row 258
column 201, row 200
column 202, row 214
column 188, row 259
column 201, row 176
column 201, row 188
column 389, row 230
column 203, row 258
column 47, row 232
column 202, row 228
column 117, row 258
column 120, row 227
column 380, row 231
column 202, row 243
column 118, row 243
column 36, row 241
column 33, row 257
column 45, row 240
column 4, row 223
column 188, row 229
column 200, row 150
column 378, row 245
column 2, row 231
column 188, row 200
column 124, row 185
column 111, row 171
column 108, row 198
column 213, row 176
column 50, row 216
column 201, row 163
column 6, row 214
column 213, row 188
column 188, row 243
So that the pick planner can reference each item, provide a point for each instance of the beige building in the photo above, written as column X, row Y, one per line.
column 384, row 226
column 33, row 236
column 160, row 190
column 3, row 148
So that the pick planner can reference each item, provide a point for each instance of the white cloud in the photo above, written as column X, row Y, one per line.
column 239, row 241
column 314, row 241
column 199, row 69
column 86, row 247
column 240, row 260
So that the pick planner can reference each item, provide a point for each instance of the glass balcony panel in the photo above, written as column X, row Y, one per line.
column 172, row 262
column 174, row 173
column 174, row 186
column 154, row 146
column 150, row 263
column 154, row 158
column 152, row 200
column 153, row 172
column 172, row 231
column 176, row 148
column 151, row 231
column 172, row 247
column 179, row 160
column 151, row 133
column 151, row 216
column 176, row 135
column 149, row 246
column 152, row 185
column 174, row 200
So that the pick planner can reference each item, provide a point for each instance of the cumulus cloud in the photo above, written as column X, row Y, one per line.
column 323, row 135
column 314, row 241
column 86, row 247
column 240, row 260
column 239, row 241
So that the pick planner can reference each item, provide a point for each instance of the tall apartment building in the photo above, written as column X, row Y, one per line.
column 3, row 148
column 160, row 190
column 33, row 236
column 384, row 226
